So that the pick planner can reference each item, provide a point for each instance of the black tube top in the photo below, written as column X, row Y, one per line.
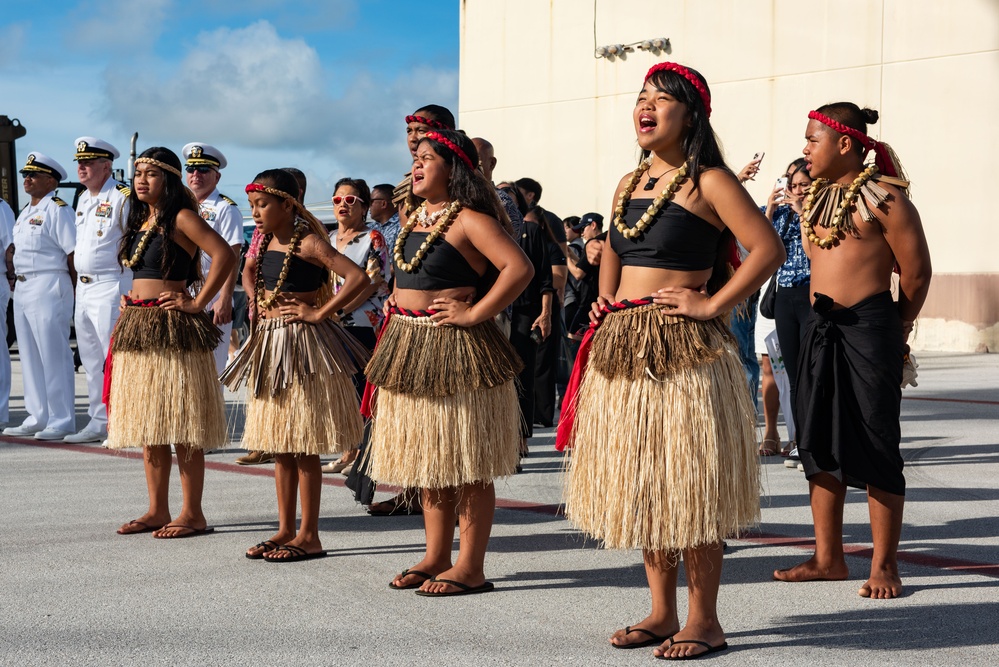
column 677, row 239
column 302, row 276
column 442, row 268
column 149, row 265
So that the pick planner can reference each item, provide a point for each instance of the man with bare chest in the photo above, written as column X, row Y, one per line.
column 858, row 226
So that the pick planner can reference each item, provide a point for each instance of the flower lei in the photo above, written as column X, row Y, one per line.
column 140, row 249
column 839, row 221
column 647, row 218
column 694, row 80
column 267, row 303
column 450, row 215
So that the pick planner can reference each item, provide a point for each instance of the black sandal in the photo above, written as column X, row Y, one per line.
column 399, row 505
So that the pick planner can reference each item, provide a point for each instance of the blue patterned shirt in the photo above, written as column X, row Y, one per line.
column 796, row 270
column 390, row 230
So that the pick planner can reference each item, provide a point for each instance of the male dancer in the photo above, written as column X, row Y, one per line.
column 857, row 225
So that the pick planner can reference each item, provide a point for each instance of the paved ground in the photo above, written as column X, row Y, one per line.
column 74, row 592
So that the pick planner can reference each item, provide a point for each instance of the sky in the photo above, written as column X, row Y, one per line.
column 322, row 85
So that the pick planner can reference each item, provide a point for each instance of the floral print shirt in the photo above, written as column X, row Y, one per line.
column 370, row 252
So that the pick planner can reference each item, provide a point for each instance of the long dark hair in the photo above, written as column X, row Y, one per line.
column 700, row 144
column 467, row 185
column 174, row 199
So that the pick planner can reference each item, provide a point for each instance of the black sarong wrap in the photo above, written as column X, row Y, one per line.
column 849, row 393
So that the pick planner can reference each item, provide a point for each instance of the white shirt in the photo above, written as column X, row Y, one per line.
column 44, row 235
column 100, row 222
column 222, row 214
column 6, row 228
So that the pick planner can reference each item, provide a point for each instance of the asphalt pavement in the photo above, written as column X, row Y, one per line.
column 73, row 592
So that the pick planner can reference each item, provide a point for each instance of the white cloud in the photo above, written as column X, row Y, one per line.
column 117, row 25
column 250, row 88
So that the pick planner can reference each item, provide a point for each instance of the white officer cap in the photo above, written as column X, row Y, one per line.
column 199, row 153
column 92, row 148
column 42, row 163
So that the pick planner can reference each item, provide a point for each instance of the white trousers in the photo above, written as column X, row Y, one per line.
column 4, row 354
column 43, row 308
column 97, row 308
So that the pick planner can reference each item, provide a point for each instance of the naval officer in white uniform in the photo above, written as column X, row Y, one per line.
column 203, row 165
column 7, row 264
column 44, row 240
column 100, row 221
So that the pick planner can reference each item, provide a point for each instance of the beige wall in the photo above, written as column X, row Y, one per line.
column 530, row 83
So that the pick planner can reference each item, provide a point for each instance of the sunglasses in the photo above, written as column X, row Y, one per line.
column 200, row 169
column 349, row 200
column 32, row 174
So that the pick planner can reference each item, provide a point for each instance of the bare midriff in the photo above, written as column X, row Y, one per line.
column 146, row 289
column 641, row 281
column 417, row 299
column 308, row 298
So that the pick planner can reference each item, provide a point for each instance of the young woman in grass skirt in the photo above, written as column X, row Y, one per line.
column 161, row 387
column 663, row 435
column 446, row 418
column 297, row 362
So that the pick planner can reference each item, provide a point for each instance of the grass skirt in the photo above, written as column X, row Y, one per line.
column 665, row 445
column 301, row 399
column 164, row 389
column 446, row 412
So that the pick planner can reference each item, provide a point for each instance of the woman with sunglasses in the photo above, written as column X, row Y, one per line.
column 163, row 384
column 362, row 315
column 446, row 419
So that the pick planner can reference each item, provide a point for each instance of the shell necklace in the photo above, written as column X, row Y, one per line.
column 647, row 218
column 141, row 248
column 267, row 303
column 448, row 215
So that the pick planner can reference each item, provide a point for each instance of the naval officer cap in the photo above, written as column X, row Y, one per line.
column 92, row 148
column 40, row 163
column 197, row 154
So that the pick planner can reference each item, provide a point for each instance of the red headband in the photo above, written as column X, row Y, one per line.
column 881, row 157
column 427, row 121
column 451, row 145
column 689, row 76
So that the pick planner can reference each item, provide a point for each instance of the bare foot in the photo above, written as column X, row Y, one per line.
column 812, row 570
column 268, row 545
column 144, row 524
column 692, row 643
column 313, row 546
column 883, row 585
column 473, row 579
column 409, row 579
column 646, row 632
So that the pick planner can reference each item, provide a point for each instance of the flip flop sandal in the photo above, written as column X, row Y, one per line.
column 415, row 573
column 145, row 528
column 397, row 506
column 267, row 546
column 653, row 639
column 710, row 649
column 463, row 589
column 769, row 450
column 194, row 532
column 297, row 554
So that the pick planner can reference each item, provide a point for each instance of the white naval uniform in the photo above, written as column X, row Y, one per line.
column 222, row 214
column 44, row 236
column 100, row 222
column 6, row 239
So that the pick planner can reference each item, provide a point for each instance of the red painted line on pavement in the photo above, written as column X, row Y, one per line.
column 957, row 565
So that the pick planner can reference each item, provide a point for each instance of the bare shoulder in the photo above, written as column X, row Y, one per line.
column 314, row 245
column 718, row 180
column 188, row 217
column 475, row 223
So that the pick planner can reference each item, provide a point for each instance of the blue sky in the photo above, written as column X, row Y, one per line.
column 322, row 85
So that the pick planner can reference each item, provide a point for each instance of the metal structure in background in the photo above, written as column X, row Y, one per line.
column 10, row 131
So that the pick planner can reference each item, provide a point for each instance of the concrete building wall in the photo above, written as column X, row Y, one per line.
column 531, row 84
